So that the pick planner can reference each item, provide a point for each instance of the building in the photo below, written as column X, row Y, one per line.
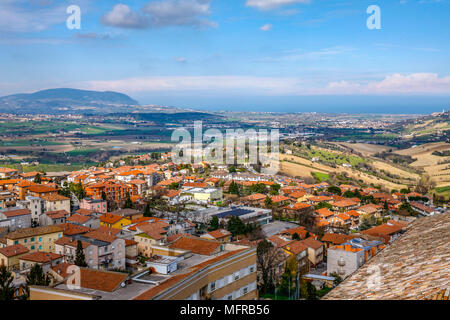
column 227, row 275
column 7, row 199
column 56, row 202
column 41, row 238
column 346, row 258
column 84, row 220
column 114, row 221
column 7, row 173
column 130, row 214
column 204, row 195
column 315, row 251
column 45, row 259
column 54, row 217
column 94, row 205
column 221, row 235
column 35, row 205
column 414, row 267
column 9, row 256
column 15, row 218
column 246, row 214
column 389, row 231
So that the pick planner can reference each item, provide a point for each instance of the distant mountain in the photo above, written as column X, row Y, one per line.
column 64, row 100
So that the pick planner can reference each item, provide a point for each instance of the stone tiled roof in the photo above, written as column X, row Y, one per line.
column 415, row 266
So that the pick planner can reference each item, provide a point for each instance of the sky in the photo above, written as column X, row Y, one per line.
column 244, row 55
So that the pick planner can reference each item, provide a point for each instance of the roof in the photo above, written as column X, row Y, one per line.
column 16, row 212
column 3, row 170
column 279, row 198
column 335, row 238
column 58, row 214
column 78, row 218
column 41, row 189
column 324, row 212
column 413, row 267
column 41, row 257
column 71, row 242
column 278, row 241
column 345, row 203
column 110, row 218
column 100, row 280
column 196, row 245
column 84, row 212
column 14, row 250
column 29, row 232
column 296, row 247
column 312, row 243
column 220, row 233
column 383, row 230
column 297, row 206
column 70, row 229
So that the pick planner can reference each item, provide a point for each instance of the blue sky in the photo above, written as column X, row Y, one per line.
column 268, row 55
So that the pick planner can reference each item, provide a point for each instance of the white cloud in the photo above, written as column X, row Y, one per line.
column 22, row 16
column 272, row 4
column 161, row 14
column 181, row 59
column 415, row 83
column 266, row 27
column 394, row 84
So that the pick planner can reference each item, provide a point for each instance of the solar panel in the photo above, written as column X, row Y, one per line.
column 233, row 212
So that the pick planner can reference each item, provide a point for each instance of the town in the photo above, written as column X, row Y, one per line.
column 138, row 231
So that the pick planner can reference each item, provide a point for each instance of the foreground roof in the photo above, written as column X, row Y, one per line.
column 415, row 266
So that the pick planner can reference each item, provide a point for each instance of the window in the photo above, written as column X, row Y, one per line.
column 236, row 276
column 40, row 247
column 244, row 290
column 32, row 239
column 40, row 239
column 212, row 286
column 32, row 247
column 16, row 242
column 25, row 241
column 252, row 269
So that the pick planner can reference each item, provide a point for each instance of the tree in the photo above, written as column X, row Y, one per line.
column 337, row 278
column 37, row 178
column 147, row 212
column 268, row 201
column 80, row 259
column 335, row 190
column 6, row 288
column 214, row 223
column 268, row 258
column 323, row 204
column 174, row 186
column 274, row 189
column 233, row 188
column 103, row 195
column 236, row 226
column 295, row 236
column 232, row 169
column 36, row 277
column 128, row 203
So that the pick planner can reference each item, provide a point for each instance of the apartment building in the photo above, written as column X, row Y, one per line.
column 35, row 239
column 15, row 218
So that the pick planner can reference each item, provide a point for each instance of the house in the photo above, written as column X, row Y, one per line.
column 35, row 205
column 333, row 239
column 372, row 209
column 297, row 208
column 85, row 221
column 315, row 251
column 7, row 173
column 54, row 217
column 7, row 199
column 421, row 208
column 114, row 221
column 343, row 205
column 300, row 251
column 9, row 256
column 389, row 231
column 130, row 214
column 221, row 235
column 346, row 258
column 34, row 239
column 45, row 259
column 56, row 202
column 15, row 218
column 94, row 205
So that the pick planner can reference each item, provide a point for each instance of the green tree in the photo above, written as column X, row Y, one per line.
column 147, row 212
column 214, row 224
column 236, row 226
column 37, row 178
column 321, row 205
column 295, row 236
column 36, row 277
column 103, row 195
column 174, row 186
column 233, row 188
column 334, row 190
column 275, row 189
column 268, row 201
column 128, row 203
column 232, row 169
column 80, row 259
column 6, row 288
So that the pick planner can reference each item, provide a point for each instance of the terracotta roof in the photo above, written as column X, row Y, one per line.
column 196, row 245
column 220, row 233
column 414, row 267
column 16, row 213
column 61, row 269
column 279, row 198
column 278, row 241
column 312, row 243
column 84, row 212
column 54, row 197
column 29, row 232
column 78, row 218
column 297, row 206
column 70, row 229
column 98, row 235
column 5, row 170
column 335, row 238
column 66, row 241
column 297, row 194
column 296, row 247
column 255, row 197
column 345, row 203
column 41, row 257
column 41, row 189
column 130, row 243
column 14, row 250
column 324, row 212
column 107, row 281
column 110, row 218
column 57, row 214
column 353, row 213
column 320, row 199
